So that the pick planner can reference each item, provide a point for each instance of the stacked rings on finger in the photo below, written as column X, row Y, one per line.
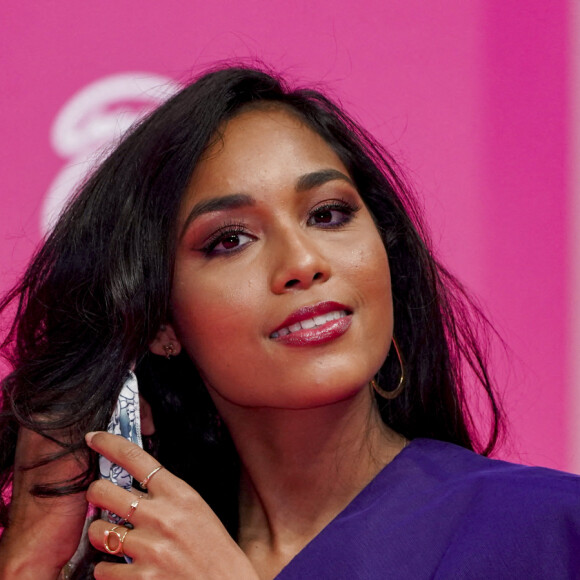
column 144, row 483
column 132, row 508
column 120, row 538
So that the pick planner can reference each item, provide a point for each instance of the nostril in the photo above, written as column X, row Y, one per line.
column 317, row 276
column 291, row 283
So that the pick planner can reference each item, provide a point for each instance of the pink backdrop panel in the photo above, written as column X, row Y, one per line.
column 470, row 96
column 526, row 200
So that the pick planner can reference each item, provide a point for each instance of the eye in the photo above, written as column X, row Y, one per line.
column 227, row 241
column 325, row 216
column 332, row 215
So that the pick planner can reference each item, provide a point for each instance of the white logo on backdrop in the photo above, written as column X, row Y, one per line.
column 91, row 121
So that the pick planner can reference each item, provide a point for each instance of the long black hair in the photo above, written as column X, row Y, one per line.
column 98, row 290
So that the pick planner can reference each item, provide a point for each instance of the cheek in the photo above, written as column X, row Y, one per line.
column 222, row 321
column 213, row 316
column 369, row 270
column 381, row 277
column 372, row 272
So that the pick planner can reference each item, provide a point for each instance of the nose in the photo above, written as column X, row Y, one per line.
column 298, row 262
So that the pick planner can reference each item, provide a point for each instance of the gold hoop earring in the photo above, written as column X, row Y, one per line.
column 397, row 391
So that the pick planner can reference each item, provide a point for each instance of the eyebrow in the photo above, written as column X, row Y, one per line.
column 318, row 178
column 234, row 201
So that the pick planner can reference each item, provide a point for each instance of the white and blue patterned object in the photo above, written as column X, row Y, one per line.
column 125, row 421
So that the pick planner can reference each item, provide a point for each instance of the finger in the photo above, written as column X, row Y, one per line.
column 110, row 571
column 129, row 517
column 113, row 571
column 112, row 539
column 115, row 539
column 131, row 457
column 125, row 504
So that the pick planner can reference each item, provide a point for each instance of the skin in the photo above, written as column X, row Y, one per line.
column 36, row 522
column 303, row 418
column 286, row 257
column 176, row 534
column 50, row 528
column 297, row 414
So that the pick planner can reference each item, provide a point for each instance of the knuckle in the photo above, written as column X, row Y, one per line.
column 167, row 525
column 186, row 496
column 157, row 551
column 132, row 453
column 149, row 574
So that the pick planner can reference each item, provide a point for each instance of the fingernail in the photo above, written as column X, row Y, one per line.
column 89, row 436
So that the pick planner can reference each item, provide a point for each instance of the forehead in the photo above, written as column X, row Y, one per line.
column 259, row 144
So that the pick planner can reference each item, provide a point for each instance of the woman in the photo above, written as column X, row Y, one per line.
column 302, row 358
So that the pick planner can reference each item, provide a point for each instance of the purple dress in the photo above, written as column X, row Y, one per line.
column 440, row 511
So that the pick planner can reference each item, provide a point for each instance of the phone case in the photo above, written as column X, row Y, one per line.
column 125, row 421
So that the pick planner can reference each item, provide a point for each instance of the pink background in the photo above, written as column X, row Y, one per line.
column 473, row 97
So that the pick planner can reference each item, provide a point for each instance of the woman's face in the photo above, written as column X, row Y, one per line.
column 281, row 292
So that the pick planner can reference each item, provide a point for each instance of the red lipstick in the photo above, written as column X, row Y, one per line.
column 312, row 325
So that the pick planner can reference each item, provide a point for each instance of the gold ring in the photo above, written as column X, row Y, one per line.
column 120, row 539
column 144, row 483
column 133, row 507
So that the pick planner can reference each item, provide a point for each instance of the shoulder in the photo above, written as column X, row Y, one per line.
column 493, row 489
column 441, row 511
column 507, row 517
column 441, row 463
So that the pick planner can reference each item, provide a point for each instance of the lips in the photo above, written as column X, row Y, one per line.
column 315, row 324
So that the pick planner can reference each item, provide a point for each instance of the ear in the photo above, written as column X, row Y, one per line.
column 166, row 342
column 147, row 425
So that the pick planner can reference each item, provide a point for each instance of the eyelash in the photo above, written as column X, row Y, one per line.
column 226, row 231
column 348, row 210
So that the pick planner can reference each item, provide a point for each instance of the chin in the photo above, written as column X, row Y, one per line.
column 318, row 395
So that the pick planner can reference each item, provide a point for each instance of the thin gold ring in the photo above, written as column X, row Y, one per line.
column 120, row 538
column 134, row 505
column 144, row 483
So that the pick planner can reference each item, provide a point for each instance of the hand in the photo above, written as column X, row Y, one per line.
column 44, row 532
column 176, row 534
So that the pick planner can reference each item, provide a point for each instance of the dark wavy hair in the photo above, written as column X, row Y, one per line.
column 98, row 290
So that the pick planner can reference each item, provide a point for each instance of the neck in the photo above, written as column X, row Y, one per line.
column 300, row 468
